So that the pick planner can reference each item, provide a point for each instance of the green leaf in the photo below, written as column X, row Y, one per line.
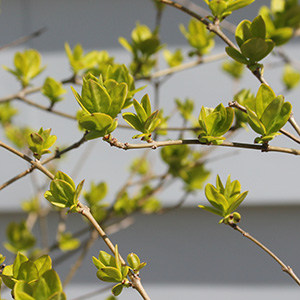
column 58, row 296
column 211, row 210
column 258, row 28
column 256, row 48
column 236, row 55
column 217, row 8
column 255, row 123
column 43, row 264
column 237, row 4
column 62, row 191
column 264, row 97
column 133, row 260
column 20, row 258
column 23, row 291
column 118, row 95
column 215, row 198
column 133, row 121
column 28, row 272
column 109, row 274
column 242, row 33
column 117, row 289
column 65, row 177
column 237, row 201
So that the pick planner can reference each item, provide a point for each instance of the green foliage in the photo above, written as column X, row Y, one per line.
column 94, row 198
column 33, row 279
column 53, row 90
column 281, row 19
column 252, row 41
column 214, row 123
column 32, row 205
column 268, row 114
column 182, row 163
column 144, row 43
column 245, row 98
column 233, row 68
column 7, row 111
column 40, row 142
column 80, row 61
column 19, row 238
column 18, row 135
column 119, row 74
column 144, row 120
column 224, row 200
column 185, row 108
column 63, row 192
column 110, row 269
column 173, row 59
column 103, row 62
column 198, row 37
column 140, row 166
column 220, row 9
column 134, row 263
column 66, row 241
column 290, row 77
column 101, row 102
column 27, row 66
column 142, row 202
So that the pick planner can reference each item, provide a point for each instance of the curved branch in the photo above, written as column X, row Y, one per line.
column 284, row 267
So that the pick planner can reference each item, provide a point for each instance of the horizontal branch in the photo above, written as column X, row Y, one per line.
column 263, row 148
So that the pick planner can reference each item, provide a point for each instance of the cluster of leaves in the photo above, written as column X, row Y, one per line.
column 225, row 200
column 173, row 59
column 291, row 77
column 110, row 269
column 53, row 90
column 143, row 201
column 102, row 99
column 281, row 19
column 198, row 37
column 267, row 114
column 214, row 123
column 186, row 165
column 27, row 66
column 63, row 193
column 33, row 279
column 144, row 120
column 252, row 41
column 144, row 44
column 220, row 9
column 94, row 197
column 40, row 142
column 19, row 237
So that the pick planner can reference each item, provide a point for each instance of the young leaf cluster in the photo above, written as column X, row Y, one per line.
column 33, row 279
column 144, row 120
column 252, row 41
column 110, row 269
column 144, row 43
column 182, row 163
column 27, row 66
column 40, row 142
column 267, row 114
column 53, row 89
column 281, row 19
column 101, row 103
column 224, row 200
column 214, row 123
column 220, row 9
column 63, row 193
column 19, row 237
column 198, row 37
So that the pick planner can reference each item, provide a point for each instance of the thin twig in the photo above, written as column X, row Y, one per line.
column 135, row 279
column 36, row 163
column 154, row 145
column 284, row 267
column 23, row 39
column 43, row 162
